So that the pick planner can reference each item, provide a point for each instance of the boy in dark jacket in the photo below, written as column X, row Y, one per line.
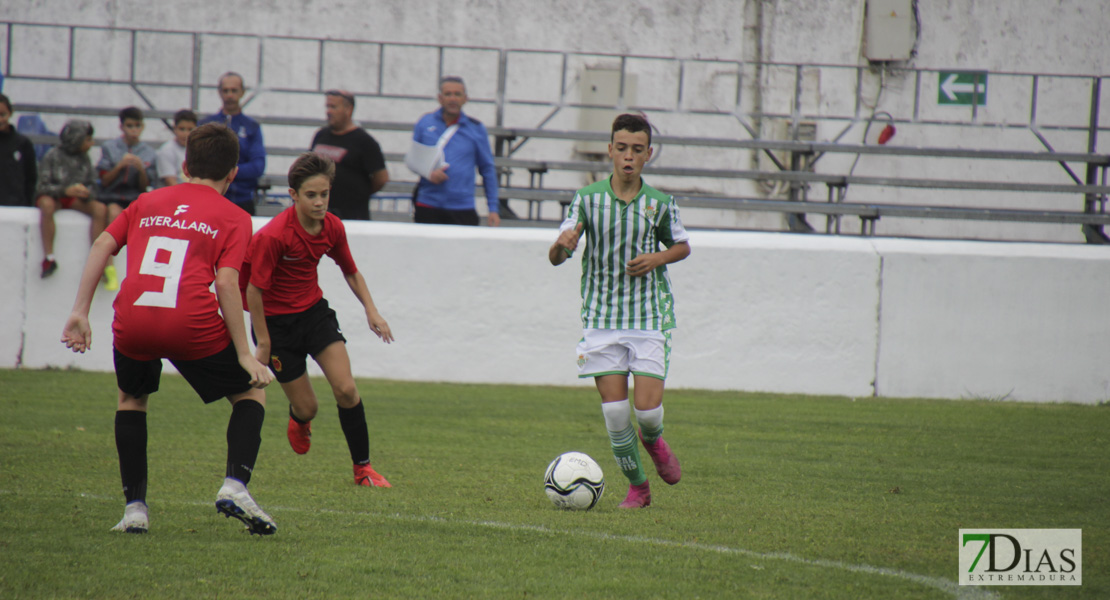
column 18, row 167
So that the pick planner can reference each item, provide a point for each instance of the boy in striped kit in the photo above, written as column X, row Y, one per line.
column 627, row 309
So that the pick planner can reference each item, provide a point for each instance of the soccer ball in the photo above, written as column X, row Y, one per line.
column 574, row 481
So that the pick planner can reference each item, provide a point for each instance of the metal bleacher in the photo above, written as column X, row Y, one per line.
column 781, row 159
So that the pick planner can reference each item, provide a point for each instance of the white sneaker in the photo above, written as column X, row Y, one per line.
column 135, row 518
column 233, row 500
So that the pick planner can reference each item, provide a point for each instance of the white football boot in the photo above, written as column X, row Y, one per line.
column 233, row 500
column 135, row 518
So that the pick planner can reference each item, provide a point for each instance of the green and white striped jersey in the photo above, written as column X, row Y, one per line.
column 617, row 232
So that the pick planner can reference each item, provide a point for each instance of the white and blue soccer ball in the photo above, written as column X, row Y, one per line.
column 574, row 481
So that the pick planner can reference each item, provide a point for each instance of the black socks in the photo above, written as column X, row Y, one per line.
column 131, row 447
column 353, row 422
column 244, row 436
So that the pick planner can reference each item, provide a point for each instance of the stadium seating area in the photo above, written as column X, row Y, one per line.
column 738, row 159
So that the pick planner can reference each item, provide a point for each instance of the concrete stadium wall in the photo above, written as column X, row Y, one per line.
column 756, row 311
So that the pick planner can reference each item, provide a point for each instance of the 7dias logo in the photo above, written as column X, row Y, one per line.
column 1021, row 557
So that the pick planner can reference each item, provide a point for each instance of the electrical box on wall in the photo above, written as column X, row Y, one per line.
column 889, row 30
column 602, row 86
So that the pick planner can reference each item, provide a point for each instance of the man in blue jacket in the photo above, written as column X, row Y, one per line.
column 446, row 196
column 252, row 152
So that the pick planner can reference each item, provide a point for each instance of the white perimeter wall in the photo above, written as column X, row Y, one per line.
column 756, row 311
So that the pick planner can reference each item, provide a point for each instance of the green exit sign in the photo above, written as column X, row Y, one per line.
column 962, row 87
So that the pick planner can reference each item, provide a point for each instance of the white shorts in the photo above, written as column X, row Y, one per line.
column 624, row 351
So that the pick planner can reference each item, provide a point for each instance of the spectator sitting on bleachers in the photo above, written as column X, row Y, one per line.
column 126, row 170
column 171, row 155
column 67, row 180
column 126, row 164
column 18, row 167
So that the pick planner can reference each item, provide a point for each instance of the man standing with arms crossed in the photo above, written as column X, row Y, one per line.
column 446, row 195
column 359, row 164
column 252, row 151
column 180, row 240
column 627, row 308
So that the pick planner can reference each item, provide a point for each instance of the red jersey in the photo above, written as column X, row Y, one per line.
column 283, row 258
column 177, row 238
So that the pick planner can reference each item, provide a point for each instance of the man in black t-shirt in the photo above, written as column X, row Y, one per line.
column 359, row 164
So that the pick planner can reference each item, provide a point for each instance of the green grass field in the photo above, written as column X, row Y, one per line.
column 781, row 497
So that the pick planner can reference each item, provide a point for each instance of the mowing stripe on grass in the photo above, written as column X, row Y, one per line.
column 946, row 586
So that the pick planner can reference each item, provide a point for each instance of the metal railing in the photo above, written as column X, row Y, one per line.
column 528, row 102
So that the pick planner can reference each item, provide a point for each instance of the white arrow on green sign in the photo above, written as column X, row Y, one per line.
column 962, row 87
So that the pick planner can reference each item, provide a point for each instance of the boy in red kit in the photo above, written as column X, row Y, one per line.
column 291, row 318
column 181, row 239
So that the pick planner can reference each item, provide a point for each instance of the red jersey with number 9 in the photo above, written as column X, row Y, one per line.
column 177, row 238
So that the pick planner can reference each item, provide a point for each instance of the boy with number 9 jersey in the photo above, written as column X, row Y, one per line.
column 180, row 240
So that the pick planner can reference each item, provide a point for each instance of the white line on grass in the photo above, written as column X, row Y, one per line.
column 944, row 585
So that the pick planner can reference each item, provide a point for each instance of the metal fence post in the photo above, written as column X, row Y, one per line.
column 1093, row 233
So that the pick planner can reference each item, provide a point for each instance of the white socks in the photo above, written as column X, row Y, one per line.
column 618, row 415
column 650, row 419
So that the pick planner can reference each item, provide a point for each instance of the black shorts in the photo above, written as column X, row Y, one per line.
column 295, row 336
column 212, row 377
column 440, row 216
